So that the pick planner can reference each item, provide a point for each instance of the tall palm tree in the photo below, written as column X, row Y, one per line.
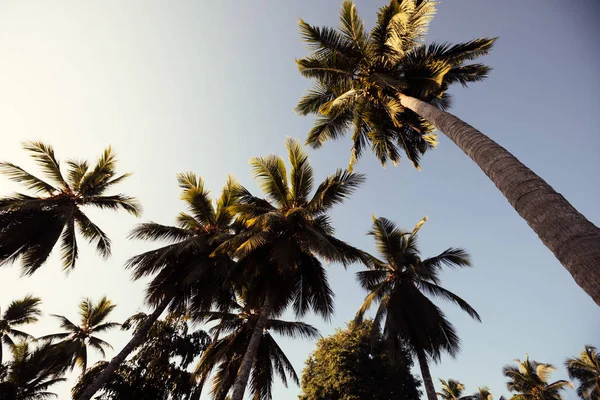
column 530, row 380
column 452, row 390
column 226, row 353
column 18, row 312
column 400, row 284
column 32, row 372
column 392, row 89
column 586, row 369
column 282, row 237
column 185, row 272
column 31, row 225
column 76, row 338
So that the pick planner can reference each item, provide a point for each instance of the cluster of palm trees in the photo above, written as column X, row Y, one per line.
column 531, row 380
column 241, row 260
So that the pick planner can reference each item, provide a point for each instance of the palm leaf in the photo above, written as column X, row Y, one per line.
column 44, row 156
column 18, row 174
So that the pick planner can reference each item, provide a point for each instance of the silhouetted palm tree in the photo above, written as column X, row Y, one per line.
column 185, row 272
column 226, row 353
column 392, row 89
column 32, row 372
column 530, row 380
column 76, row 338
column 400, row 284
column 586, row 369
column 452, row 390
column 31, row 225
column 18, row 312
column 281, row 237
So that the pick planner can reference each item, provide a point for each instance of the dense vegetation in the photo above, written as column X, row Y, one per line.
column 224, row 275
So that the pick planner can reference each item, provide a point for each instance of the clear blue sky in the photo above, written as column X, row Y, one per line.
column 203, row 86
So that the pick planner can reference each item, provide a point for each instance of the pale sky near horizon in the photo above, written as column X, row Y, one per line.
column 204, row 86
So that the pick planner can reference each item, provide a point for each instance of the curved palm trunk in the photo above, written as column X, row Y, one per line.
column 135, row 341
column 573, row 239
column 239, row 387
column 426, row 375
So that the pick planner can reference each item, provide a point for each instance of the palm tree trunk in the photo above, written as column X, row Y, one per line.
column 573, row 239
column 135, row 341
column 426, row 375
column 239, row 387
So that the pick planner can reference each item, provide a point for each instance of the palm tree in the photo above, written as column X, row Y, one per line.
column 76, row 338
column 226, row 353
column 159, row 368
column 31, row 225
column 18, row 312
column 185, row 271
column 452, row 390
column 400, row 284
column 586, row 369
column 392, row 89
column 282, row 236
column 530, row 380
column 483, row 393
column 33, row 371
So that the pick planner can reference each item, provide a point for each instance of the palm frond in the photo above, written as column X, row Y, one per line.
column 439, row 291
column 69, row 249
column 158, row 232
column 18, row 174
column 271, row 175
column 293, row 329
column 23, row 311
column 197, row 197
column 44, row 156
column 92, row 233
column 335, row 189
column 115, row 202
column 301, row 175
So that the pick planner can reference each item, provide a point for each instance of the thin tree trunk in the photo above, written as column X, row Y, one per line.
column 426, row 375
column 135, row 341
column 573, row 239
column 241, row 381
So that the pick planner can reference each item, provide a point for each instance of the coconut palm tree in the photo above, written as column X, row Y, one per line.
column 392, row 89
column 452, row 390
column 226, row 353
column 185, row 272
column 31, row 225
column 18, row 312
column 483, row 393
column 282, row 238
column 32, row 372
column 159, row 367
column 401, row 284
column 586, row 369
column 76, row 338
column 530, row 380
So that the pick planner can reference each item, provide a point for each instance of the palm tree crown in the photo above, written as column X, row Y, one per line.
column 186, row 270
column 359, row 75
column 226, row 353
column 452, row 390
column 400, row 284
column 280, row 237
column 586, row 369
column 76, row 338
column 32, row 224
column 18, row 312
column 530, row 380
column 32, row 371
